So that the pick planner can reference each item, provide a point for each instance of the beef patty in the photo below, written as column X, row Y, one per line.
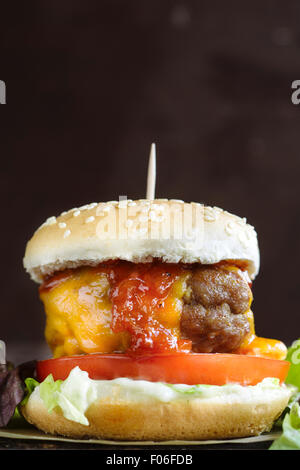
column 213, row 316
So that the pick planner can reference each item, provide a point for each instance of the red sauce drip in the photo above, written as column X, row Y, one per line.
column 138, row 294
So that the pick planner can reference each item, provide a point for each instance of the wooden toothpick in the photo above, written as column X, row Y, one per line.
column 150, row 194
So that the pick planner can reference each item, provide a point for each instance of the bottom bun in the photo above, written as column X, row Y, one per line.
column 197, row 419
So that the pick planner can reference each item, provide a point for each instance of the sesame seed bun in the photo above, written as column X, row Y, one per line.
column 140, row 231
column 197, row 419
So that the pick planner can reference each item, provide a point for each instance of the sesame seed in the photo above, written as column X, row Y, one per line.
column 62, row 225
column 51, row 221
column 76, row 213
column 67, row 233
column 209, row 217
column 229, row 228
column 92, row 205
column 90, row 219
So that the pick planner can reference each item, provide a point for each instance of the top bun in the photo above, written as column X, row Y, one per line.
column 140, row 231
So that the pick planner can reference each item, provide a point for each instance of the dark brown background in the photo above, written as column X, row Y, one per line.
column 91, row 84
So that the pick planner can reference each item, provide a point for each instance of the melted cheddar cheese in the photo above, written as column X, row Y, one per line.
column 78, row 314
column 264, row 347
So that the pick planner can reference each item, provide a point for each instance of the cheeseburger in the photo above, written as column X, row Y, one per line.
column 148, row 317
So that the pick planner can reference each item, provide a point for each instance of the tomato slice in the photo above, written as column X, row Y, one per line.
column 212, row 369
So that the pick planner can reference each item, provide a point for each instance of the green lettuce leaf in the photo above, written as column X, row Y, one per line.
column 30, row 385
column 290, row 418
column 293, row 356
column 49, row 390
column 73, row 395
column 290, row 437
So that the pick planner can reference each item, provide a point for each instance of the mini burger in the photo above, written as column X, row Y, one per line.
column 148, row 316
